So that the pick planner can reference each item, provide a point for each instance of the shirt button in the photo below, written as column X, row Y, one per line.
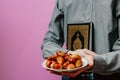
column 88, row 18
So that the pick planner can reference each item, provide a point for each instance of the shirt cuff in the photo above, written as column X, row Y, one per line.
column 99, row 64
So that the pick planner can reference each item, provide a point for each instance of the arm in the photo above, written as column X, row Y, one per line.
column 109, row 63
column 54, row 38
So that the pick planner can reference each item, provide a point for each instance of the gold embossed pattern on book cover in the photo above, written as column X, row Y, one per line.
column 78, row 36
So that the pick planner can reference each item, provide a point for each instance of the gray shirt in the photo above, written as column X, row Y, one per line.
column 105, row 16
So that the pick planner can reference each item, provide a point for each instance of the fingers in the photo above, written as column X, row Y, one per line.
column 89, row 55
column 57, row 73
column 89, row 52
column 75, row 73
column 84, row 52
column 90, row 60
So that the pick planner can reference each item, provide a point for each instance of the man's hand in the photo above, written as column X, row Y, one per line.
column 82, row 52
column 81, row 70
column 85, row 53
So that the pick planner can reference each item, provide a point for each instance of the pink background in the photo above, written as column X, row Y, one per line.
column 23, row 24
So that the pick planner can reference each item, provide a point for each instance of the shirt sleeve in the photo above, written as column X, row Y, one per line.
column 54, row 38
column 109, row 63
